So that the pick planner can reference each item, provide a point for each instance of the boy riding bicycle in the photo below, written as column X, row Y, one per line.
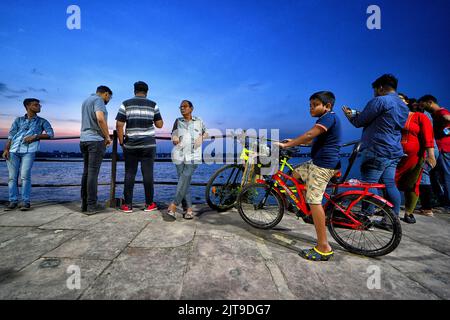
column 325, row 137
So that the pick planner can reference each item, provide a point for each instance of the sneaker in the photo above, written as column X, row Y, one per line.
column 126, row 208
column 25, row 207
column 11, row 206
column 150, row 207
column 94, row 209
column 83, row 205
column 409, row 218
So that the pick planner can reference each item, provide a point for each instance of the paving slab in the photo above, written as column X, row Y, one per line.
column 21, row 251
column 411, row 256
column 8, row 233
column 214, row 256
column 105, row 240
column 32, row 218
column 36, row 282
column 430, row 231
column 142, row 274
column 345, row 277
column 77, row 221
column 227, row 268
column 222, row 224
column 439, row 283
column 162, row 234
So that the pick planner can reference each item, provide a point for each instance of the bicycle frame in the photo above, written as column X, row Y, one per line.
column 277, row 182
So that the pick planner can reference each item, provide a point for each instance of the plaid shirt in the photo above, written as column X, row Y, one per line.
column 23, row 127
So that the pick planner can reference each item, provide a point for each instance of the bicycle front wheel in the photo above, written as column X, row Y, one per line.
column 379, row 232
column 223, row 187
column 260, row 206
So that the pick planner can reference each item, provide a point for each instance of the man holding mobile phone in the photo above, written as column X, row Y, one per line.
column 382, row 121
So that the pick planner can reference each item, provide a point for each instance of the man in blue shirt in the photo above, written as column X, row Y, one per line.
column 383, row 120
column 94, row 139
column 20, row 151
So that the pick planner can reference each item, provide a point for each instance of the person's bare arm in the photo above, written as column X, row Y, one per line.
column 120, row 132
column 103, row 124
column 430, row 157
column 447, row 118
column 306, row 138
column 5, row 154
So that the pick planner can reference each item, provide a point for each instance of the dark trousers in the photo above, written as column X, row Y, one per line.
column 146, row 156
column 426, row 196
column 93, row 152
column 443, row 170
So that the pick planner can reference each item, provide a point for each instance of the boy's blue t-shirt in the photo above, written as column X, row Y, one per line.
column 326, row 147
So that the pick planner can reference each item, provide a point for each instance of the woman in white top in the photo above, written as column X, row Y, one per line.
column 187, row 136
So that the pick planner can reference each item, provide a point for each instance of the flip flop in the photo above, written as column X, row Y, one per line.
column 169, row 215
column 315, row 255
column 188, row 215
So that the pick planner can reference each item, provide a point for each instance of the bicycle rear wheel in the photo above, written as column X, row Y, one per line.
column 223, row 187
column 260, row 206
column 380, row 231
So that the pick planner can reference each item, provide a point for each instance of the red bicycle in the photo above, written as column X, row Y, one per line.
column 359, row 220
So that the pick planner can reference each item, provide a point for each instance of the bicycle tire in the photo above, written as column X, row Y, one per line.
column 242, row 197
column 230, row 203
column 332, row 213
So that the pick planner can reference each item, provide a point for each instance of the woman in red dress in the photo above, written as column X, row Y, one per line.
column 418, row 145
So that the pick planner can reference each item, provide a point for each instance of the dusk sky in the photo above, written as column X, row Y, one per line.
column 243, row 64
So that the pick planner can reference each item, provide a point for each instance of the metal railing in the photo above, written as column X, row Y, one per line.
column 115, row 159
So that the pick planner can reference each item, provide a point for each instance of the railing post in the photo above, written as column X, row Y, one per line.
column 112, row 187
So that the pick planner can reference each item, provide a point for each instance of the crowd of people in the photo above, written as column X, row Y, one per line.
column 397, row 146
column 405, row 145
column 135, row 123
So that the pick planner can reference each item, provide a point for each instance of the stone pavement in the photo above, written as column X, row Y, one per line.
column 214, row 256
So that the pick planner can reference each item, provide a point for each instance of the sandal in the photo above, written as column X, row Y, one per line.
column 315, row 255
column 426, row 213
column 188, row 215
column 169, row 215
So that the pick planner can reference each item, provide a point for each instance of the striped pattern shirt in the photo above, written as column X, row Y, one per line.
column 139, row 114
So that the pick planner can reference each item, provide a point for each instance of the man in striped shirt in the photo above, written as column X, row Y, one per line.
column 141, row 116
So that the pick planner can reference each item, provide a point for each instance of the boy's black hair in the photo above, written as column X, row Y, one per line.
column 27, row 101
column 104, row 89
column 428, row 97
column 386, row 80
column 189, row 103
column 324, row 97
column 140, row 86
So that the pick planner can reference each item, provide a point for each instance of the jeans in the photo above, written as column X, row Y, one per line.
column 443, row 170
column 93, row 152
column 132, row 158
column 22, row 162
column 376, row 169
column 183, row 193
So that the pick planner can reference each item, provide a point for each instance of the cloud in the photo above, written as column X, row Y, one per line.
column 36, row 72
column 254, row 86
column 9, row 93
column 11, row 96
column 3, row 87
column 31, row 89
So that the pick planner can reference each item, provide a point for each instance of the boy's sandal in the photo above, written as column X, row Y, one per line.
column 188, row 215
column 315, row 255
